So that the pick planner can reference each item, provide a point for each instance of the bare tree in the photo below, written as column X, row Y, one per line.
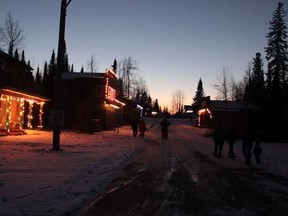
column 11, row 34
column 177, row 102
column 223, row 85
column 91, row 64
column 127, row 70
column 237, row 89
column 139, row 87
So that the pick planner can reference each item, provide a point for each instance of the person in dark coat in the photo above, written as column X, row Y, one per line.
column 116, row 126
column 164, row 129
column 219, row 139
column 142, row 128
column 247, row 143
column 257, row 150
column 231, row 138
column 134, row 127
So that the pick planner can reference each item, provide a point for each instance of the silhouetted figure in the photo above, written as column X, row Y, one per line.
column 134, row 127
column 164, row 129
column 142, row 128
column 247, row 143
column 257, row 150
column 218, row 137
column 116, row 126
column 231, row 138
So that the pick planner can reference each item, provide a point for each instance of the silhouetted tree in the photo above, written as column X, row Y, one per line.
column 52, row 67
column 146, row 103
column 177, row 101
column 38, row 78
column 120, row 89
column 66, row 67
column 72, row 68
column 23, row 57
column 254, row 91
column 91, row 64
column 127, row 71
column 276, row 50
column 277, row 61
column 156, row 107
column 223, row 85
column 198, row 96
column 82, row 69
column 114, row 66
column 16, row 54
column 11, row 34
column 45, row 79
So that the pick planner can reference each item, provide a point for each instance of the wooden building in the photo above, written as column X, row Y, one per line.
column 236, row 113
column 89, row 100
column 21, row 106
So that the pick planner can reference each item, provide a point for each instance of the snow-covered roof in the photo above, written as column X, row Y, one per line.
column 217, row 105
column 77, row 75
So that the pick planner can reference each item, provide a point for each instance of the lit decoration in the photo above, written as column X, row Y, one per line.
column 40, row 115
column 112, row 105
column 13, row 102
column 203, row 112
column 29, row 116
column 22, row 110
column 110, row 92
column 8, row 114
column 111, row 95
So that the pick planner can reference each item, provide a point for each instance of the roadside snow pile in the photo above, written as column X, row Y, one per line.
column 34, row 180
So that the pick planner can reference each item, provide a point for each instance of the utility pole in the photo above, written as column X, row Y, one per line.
column 58, row 113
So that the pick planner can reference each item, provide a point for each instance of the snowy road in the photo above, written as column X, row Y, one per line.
column 181, row 177
column 110, row 173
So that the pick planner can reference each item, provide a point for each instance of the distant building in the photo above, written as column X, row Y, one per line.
column 21, row 106
column 237, row 113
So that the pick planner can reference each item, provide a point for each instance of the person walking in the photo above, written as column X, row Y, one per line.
column 116, row 126
column 257, row 150
column 134, row 127
column 164, row 128
column 231, row 138
column 247, row 143
column 218, row 137
column 142, row 128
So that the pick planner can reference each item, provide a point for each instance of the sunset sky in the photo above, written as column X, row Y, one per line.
column 175, row 42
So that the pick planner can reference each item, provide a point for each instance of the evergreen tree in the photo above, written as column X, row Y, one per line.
column 16, row 54
column 66, row 67
column 23, row 57
column 72, row 68
column 146, row 103
column 156, row 107
column 82, row 69
column 276, row 50
column 277, row 61
column 198, row 96
column 120, row 89
column 114, row 66
column 45, row 75
column 254, row 91
column 38, row 77
column 52, row 67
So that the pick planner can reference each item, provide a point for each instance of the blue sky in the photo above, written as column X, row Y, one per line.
column 175, row 42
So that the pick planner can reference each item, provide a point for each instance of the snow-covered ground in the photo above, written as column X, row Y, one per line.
column 34, row 180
